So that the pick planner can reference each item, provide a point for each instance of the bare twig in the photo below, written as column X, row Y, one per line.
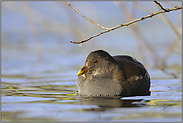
column 169, row 22
column 167, row 10
column 31, row 21
column 165, row 71
column 145, row 41
column 86, row 17
column 172, row 47
column 127, row 24
column 123, row 7
column 168, row 53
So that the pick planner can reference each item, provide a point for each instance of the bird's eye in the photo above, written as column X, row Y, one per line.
column 95, row 61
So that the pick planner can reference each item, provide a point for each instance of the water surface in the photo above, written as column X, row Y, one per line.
column 52, row 97
column 39, row 65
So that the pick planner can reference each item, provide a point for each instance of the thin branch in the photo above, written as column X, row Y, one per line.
column 167, row 10
column 86, row 17
column 32, row 24
column 127, row 24
column 146, row 43
column 169, row 22
column 174, row 28
column 165, row 71
column 168, row 53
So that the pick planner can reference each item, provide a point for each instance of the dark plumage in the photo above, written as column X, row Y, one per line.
column 107, row 76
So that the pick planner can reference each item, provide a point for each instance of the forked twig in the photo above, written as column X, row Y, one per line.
column 167, row 10
column 121, row 25
column 169, row 22
column 86, row 17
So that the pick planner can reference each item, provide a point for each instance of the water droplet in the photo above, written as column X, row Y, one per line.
column 80, row 45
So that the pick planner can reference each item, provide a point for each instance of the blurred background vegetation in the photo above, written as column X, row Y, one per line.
column 36, row 35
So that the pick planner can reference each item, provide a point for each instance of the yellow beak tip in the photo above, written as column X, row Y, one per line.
column 83, row 71
column 80, row 73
